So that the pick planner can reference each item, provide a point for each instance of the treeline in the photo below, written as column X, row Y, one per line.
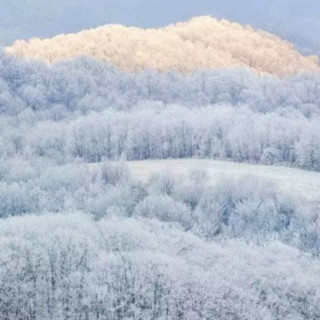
column 201, row 43
column 156, row 131
column 134, row 259
column 84, row 84
column 89, row 110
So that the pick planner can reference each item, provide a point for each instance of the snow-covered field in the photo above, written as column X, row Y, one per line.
column 296, row 181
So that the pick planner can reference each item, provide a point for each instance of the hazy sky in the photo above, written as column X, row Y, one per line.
column 295, row 20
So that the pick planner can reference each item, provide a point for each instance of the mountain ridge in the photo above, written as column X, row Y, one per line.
column 200, row 43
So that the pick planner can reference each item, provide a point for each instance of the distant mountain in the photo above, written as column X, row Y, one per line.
column 203, row 42
column 294, row 20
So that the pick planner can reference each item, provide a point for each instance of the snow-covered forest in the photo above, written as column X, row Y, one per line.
column 69, row 267
column 84, row 237
column 172, row 248
column 85, row 248
column 89, row 110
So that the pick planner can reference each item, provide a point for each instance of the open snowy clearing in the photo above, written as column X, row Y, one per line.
column 295, row 181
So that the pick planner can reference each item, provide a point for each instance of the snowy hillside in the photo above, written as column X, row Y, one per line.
column 295, row 181
column 166, row 174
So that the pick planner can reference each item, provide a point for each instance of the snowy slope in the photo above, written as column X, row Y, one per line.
column 295, row 181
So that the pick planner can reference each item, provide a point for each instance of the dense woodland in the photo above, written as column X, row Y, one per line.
column 172, row 248
column 70, row 267
column 81, row 239
column 86, row 109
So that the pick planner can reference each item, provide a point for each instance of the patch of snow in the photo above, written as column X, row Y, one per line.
column 295, row 181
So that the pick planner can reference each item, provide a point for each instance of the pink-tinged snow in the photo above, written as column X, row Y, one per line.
column 296, row 181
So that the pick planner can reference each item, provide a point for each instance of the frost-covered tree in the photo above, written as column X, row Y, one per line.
column 70, row 267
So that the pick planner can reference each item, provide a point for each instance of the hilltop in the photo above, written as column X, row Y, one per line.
column 201, row 43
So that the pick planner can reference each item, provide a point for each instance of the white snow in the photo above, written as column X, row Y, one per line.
column 296, row 181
